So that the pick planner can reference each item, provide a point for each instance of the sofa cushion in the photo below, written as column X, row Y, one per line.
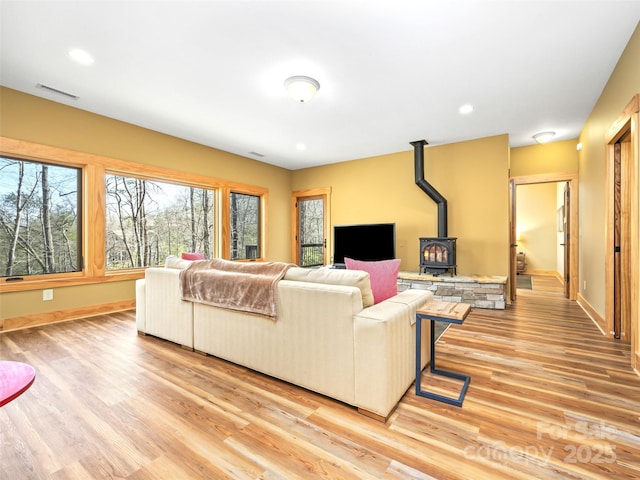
column 192, row 256
column 331, row 276
column 383, row 275
column 174, row 262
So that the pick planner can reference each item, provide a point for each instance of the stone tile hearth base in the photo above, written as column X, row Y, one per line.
column 482, row 291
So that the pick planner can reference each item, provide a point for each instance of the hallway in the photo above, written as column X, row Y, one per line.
column 543, row 285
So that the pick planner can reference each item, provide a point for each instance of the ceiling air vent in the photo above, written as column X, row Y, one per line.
column 59, row 92
column 256, row 154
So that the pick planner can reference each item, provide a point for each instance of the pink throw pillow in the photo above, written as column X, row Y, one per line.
column 383, row 275
column 192, row 256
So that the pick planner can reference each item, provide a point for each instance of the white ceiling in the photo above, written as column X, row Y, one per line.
column 390, row 71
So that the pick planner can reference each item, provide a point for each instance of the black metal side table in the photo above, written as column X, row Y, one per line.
column 437, row 311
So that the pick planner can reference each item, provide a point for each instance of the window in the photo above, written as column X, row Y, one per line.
column 311, row 232
column 310, row 219
column 40, row 221
column 147, row 220
column 245, row 226
column 134, row 215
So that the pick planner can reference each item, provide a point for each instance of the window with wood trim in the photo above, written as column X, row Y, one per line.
column 147, row 220
column 135, row 215
column 40, row 221
column 244, row 220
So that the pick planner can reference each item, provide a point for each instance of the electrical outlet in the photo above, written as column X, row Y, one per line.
column 47, row 295
column 584, row 285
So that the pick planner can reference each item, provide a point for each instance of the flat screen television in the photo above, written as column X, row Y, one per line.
column 369, row 242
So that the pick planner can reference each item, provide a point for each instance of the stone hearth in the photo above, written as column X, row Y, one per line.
column 482, row 291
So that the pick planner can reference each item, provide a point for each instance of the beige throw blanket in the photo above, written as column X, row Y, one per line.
column 248, row 287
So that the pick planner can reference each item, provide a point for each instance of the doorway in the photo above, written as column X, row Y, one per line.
column 565, row 225
column 564, row 222
column 310, row 220
column 621, row 258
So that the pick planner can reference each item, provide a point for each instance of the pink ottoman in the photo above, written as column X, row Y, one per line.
column 15, row 378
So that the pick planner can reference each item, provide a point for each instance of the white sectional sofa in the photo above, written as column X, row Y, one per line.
column 327, row 337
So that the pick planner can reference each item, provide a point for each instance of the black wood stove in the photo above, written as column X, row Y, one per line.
column 438, row 255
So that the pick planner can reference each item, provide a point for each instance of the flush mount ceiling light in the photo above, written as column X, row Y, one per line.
column 301, row 88
column 544, row 137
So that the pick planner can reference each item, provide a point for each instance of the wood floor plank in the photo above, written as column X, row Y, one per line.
column 550, row 398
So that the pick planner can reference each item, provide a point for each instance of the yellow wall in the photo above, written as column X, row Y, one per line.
column 26, row 117
column 472, row 176
column 560, row 240
column 623, row 84
column 554, row 157
column 537, row 225
column 29, row 302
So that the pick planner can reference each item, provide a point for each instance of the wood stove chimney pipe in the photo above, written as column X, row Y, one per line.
column 426, row 187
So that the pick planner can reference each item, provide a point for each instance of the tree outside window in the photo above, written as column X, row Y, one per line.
column 311, row 232
column 149, row 220
column 138, row 215
column 39, row 218
column 245, row 226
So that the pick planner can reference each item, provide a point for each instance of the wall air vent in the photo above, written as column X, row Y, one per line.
column 49, row 89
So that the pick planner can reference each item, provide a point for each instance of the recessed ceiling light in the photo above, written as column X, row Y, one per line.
column 301, row 146
column 81, row 56
column 466, row 109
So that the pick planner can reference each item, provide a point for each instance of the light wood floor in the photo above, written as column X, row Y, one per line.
column 550, row 397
